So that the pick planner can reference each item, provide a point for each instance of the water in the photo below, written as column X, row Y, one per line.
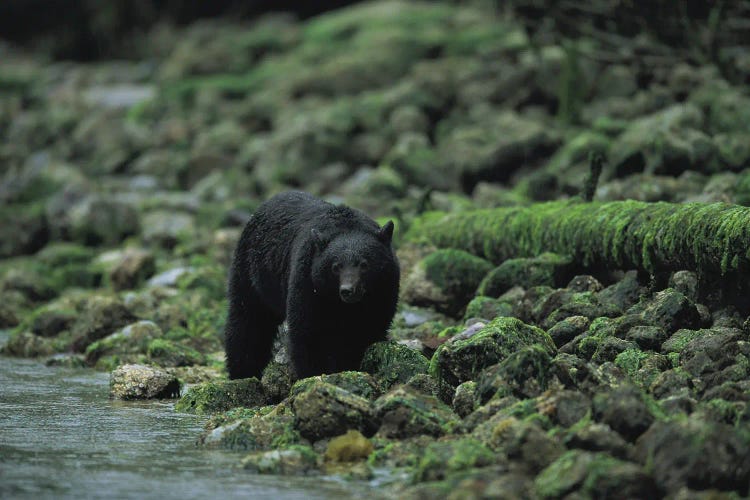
column 61, row 437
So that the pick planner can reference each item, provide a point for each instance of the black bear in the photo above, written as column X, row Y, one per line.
column 328, row 270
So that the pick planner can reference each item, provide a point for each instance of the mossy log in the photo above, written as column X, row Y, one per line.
column 707, row 238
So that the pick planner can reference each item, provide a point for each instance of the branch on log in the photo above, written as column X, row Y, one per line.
column 707, row 238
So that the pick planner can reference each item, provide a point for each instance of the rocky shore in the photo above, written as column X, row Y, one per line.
column 125, row 185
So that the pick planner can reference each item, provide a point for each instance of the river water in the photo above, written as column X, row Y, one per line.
column 62, row 437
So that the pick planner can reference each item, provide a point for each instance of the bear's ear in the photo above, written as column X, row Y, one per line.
column 386, row 232
column 317, row 239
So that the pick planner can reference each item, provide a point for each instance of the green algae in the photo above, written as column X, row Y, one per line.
column 705, row 237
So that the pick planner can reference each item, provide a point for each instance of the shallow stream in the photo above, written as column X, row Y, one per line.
column 62, row 437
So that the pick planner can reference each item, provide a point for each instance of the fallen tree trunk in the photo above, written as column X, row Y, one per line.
column 707, row 238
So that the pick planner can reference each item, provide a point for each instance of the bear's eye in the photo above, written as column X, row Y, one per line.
column 336, row 267
column 363, row 264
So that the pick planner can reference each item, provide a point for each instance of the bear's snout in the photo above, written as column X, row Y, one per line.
column 350, row 293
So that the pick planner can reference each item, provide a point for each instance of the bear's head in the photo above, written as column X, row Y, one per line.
column 350, row 264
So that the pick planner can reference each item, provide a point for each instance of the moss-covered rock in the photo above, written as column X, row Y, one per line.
column 324, row 410
column 165, row 352
column 276, row 380
column 445, row 280
column 213, row 397
column 393, row 363
column 462, row 360
column 142, row 382
column 297, row 460
column 130, row 344
column 101, row 316
column 548, row 269
column 358, row 383
column 404, row 412
column 524, row 373
column 250, row 430
column 441, row 459
column 594, row 475
column 27, row 345
column 349, row 447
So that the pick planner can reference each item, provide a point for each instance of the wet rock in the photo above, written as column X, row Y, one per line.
column 325, row 410
column 696, row 454
column 134, row 266
column 277, row 380
column 567, row 329
column 611, row 347
column 168, row 353
column 598, row 437
column 12, row 308
column 464, row 400
column 548, row 269
column 213, row 397
column 584, row 283
column 393, row 363
column 624, row 293
column 294, row 461
column 522, row 442
column 445, row 280
column 565, row 407
column 487, row 308
column 647, row 337
column 23, row 230
column 525, row 373
column 51, row 321
column 66, row 360
column 358, row 383
column 349, row 447
column 142, row 382
column 27, row 345
column 461, row 360
column 671, row 382
column 685, row 282
column 712, row 351
column 165, row 228
column 170, row 277
column 255, row 429
column 671, row 310
column 594, row 475
column 403, row 413
column 624, row 410
column 101, row 316
column 29, row 282
column 97, row 220
column 440, row 459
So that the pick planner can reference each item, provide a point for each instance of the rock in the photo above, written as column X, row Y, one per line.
column 27, row 345
column 548, row 269
column 324, row 410
column 142, row 382
column 671, row 310
column 461, row 360
column 165, row 228
column 276, row 380
column 567, row 329
column 565, row 407
column 598, row 437
column 128, row 344
column 464, row 400
column 349, row 447
column 101, row 316
column 134, row 266
column 23, row 230
column 525, row 373
column 170, row 277
column 294, row 461
column 584, row 283
column 523, row 442
column 647, row 337
column 358, row 383
column 393, row 363
column 213, row 397
column 51, row 321
column 404, row 413
column 697, row 454
column 594, row 475
column 624, row 293
column 98, row 220
column 253, row 429
column 168, row 353
column 441, row 459
column 487, row 308
column 445, row 280
column 624, row 410
column 685, row 282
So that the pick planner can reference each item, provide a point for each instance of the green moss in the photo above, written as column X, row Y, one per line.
column 350, row 447
column 393, row 363
column 487, row 308
column 168, row 353
column 213, row 397
column 630, row 360
column 455, row 269
column 707, row 238
column 442, row 459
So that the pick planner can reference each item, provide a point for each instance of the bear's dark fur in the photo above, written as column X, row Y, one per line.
column 328, row 271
